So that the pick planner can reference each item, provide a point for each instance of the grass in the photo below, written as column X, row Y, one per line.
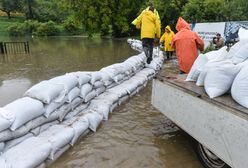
column 5, row 23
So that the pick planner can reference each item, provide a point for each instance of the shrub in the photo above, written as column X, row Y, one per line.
column 16, row 29
column 71, row 27
column 47, row 29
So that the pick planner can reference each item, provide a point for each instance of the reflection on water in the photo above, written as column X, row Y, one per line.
column 136, row 135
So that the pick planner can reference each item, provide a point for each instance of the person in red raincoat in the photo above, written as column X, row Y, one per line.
column 186, row 43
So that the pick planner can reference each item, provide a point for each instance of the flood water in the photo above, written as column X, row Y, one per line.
column 135, row 136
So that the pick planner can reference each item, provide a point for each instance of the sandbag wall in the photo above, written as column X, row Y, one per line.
column 223, row 71
column 53, row 114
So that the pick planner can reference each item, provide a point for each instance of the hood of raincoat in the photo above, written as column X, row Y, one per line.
column 168, row 27
column 182, row 24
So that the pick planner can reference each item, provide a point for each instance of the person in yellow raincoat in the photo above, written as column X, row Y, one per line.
column 150, row 29
column 187, row 44
column 166, row 40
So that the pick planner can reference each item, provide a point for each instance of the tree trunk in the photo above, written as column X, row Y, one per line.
column 30, row 11
column 8, row 14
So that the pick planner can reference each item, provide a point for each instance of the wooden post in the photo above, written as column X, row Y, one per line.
column 5, row 48
column 1, row 48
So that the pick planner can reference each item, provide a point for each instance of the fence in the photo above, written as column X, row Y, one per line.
column 14, row 47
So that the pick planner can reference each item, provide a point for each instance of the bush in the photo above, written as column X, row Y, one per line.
column 71, row 27
column 47, row 29
column 16, row 29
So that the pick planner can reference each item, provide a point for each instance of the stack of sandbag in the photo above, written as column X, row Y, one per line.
column 216, row 70
column 135, row 44
column 36, row 129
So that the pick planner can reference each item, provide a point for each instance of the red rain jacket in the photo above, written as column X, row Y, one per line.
column 187, row 44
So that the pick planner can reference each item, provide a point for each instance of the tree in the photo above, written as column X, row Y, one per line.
column 9, row 6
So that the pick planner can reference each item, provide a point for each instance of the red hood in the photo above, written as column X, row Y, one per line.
column 182, row 24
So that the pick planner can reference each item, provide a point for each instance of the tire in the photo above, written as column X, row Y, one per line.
column 207, row 158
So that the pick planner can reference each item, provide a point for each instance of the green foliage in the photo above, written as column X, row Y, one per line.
column 16, row 29
column 71, row 27
column 47, row 29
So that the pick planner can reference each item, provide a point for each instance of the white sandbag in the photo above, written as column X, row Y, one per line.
column 113, row 107
column 123, row 100
column 79, row 125
column 243, row 34
column 100, row 90
column 63, row 111
column 240, row 55
column 58, row 136
column 219, row 79
column 90, row 96
column 100, row 107
column 98, row 84
column 45, row 91
column 61, row 151
column 83, row 77
column 24, row 129
column 76, row 111
column 75, row 92
column 108, row 98
column 68, row 81
column 24, row 110
column 147, row 71
column 2, row 147
column 49, row 108
column 29, row 153
column 196, row 69
column 217, row 55
column 130, row 85
column 118, row 78
column 239, row 89
column 235, row 48
column 209, row 65
column 118, row 90
column 85, row 89
column 141, row 79
column 6, row 119
column 43, row 127
column 76, row 102
column 95, row 76
column 94, row 119
column 11, row 143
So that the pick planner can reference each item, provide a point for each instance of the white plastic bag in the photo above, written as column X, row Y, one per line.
column 85, row 89
column 68, row 81
column 75, row 92
column 94, row 119
column 6, row 119
column 83, row 77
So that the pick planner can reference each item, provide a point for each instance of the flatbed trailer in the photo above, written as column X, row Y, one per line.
column 219, row 125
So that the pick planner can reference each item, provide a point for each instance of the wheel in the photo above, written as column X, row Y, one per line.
column 208, row 158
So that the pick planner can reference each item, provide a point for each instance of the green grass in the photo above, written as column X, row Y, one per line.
column 5, row 23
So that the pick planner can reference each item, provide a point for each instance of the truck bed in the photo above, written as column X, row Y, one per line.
column 226, row 101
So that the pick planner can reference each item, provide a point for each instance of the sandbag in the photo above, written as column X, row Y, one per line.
column 217, row 55
column 98, row 84
column 239, row 89
column 75, row 92
column 94, row 119
column 58, row 136
column 90, row 96
column 123, row 99
column 85, row 90
column 45, row 91
column 100, row 107
column 209, row 65
column 29, row 153
column 196, row 69
column 83, row 77
column 76, row 102
column 6, row 119
column 79, row 125
column 118, row 90
column 49, row 108
column 219, row 79
column 76, row 111
column 95, row 76
column 100, row 90
column 2, row 147
column 243, row 34
column 11, row 143
column 240, row 55
column 68, row 81
column 24, row 110
column 108, row 98
column 43, row 127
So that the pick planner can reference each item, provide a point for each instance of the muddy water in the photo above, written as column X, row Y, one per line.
column 136, row 135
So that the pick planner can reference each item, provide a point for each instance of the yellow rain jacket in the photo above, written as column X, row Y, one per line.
column 149, row 24
column 134, row 22
column 167, row 39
